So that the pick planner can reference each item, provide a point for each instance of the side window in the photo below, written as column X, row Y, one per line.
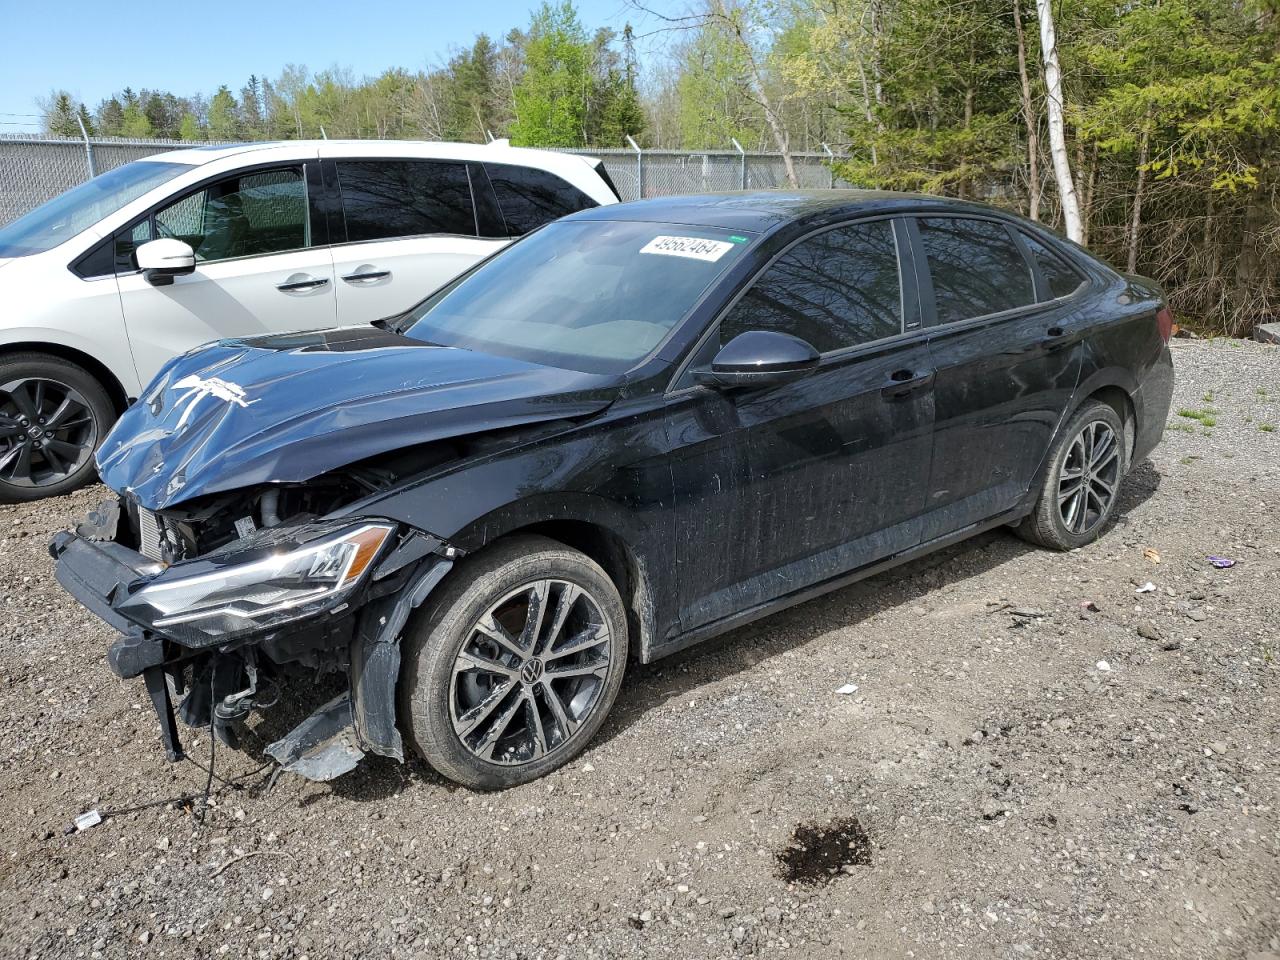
column 975, row 266
column 250, row 214
column 385, row 199
column 1061, row 278
column 529, row 198
column 837, row 289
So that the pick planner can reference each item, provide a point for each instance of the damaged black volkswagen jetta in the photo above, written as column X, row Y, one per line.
column 634, row 429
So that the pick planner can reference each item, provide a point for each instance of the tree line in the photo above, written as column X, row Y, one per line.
column 1146, row 129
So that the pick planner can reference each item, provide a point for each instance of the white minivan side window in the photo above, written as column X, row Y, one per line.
column 247, row 215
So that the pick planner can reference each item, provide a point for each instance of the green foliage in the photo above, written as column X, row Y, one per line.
column 189, row 128
column 60, row 116
column 222, row 122
column 552, row 96
column 134, row 122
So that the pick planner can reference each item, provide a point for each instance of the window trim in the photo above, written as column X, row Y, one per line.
column 906, row 257
column 339, row 213
column 318, row 230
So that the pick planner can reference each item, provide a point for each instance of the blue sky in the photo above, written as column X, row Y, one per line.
column 93, row 49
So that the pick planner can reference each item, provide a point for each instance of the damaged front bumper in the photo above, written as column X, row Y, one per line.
column 220, row 675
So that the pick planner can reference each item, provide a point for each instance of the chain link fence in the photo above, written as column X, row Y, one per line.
column 35, row 169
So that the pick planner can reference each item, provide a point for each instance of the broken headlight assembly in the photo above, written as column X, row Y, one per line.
column 273, row 577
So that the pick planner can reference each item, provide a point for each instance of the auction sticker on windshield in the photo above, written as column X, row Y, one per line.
column 695, row 248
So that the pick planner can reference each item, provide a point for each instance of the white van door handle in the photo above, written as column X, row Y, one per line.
column 301, row 282
column 366, row 274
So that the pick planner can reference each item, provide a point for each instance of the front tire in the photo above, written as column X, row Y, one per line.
column 1082, row 483
column 514, row 667
column 53, row 415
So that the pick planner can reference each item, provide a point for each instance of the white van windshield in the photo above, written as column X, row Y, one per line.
column 73, row 212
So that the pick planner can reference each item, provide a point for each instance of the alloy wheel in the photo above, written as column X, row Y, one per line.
column 530, row 672
column 1089, row 477
column 47, row 432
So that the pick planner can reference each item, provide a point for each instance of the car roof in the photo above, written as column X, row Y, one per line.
column 765, row 211
column 499, row 151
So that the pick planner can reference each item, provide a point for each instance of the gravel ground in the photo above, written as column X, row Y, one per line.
column 1037, row 762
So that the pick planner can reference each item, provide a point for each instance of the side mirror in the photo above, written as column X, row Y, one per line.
column 162, row 260
column 760, row 358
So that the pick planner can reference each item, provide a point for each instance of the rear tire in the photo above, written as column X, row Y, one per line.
column 1082, row 482
column 495, row 693
column 53, row 416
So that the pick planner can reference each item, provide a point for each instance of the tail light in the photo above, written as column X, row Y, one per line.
column 1164, row 323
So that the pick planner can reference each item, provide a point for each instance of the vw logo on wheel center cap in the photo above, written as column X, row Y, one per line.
column 531, row 672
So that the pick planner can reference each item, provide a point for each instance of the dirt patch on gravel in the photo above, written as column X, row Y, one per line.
column 1049, row 763
column 818, row 853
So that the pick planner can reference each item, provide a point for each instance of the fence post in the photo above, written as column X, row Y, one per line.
column 88, row 147
column 742, row 164
column 639, row 167
column 832, row 157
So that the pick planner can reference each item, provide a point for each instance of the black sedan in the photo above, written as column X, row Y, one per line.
column 637, row 428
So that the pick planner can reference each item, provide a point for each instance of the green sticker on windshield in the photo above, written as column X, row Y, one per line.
column 739, row 239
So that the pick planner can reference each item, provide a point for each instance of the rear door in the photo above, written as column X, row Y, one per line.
column 403, row 228
column 262, row 265
column 779, row 488
column 1007, row 354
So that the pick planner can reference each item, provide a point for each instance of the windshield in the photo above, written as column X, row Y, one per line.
column 590, row 295
column 75, row 211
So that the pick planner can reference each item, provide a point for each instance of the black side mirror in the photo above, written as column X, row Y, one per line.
column 759, row 358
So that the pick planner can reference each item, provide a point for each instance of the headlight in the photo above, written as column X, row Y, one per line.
column 273, row 577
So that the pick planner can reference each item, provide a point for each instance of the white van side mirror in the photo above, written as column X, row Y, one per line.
column 162, row 260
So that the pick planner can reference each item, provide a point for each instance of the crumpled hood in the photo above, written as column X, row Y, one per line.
column 286, row 408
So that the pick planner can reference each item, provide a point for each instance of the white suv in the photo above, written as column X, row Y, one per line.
column 102, row 285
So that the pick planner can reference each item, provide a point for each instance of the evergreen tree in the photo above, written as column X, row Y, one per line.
column 222, row 122
column 60, row 116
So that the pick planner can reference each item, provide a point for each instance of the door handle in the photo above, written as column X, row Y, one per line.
column 904, row 383
column 366, row 276
column 303, row 282
column 1055, row 338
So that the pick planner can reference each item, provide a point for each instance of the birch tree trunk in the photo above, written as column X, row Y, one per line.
column 1029, row 119
column 1135, row 224
column 1057, row 130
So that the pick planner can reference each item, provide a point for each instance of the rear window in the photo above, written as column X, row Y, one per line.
column 529, row 197
column 385, row 199
column 1060, row 277
column 975, row 266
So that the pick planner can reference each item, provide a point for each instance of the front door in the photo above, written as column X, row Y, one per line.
column 1007, row 357
column 257, row 267
column 410, row 227
column 780, row 488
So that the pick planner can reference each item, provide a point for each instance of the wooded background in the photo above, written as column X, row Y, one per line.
column 1171, row 112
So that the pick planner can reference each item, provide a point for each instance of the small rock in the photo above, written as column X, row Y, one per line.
column 162, row 843
column 267, row 893
column 646, row 916
column 772, row 914
column 1219, row 747
column 739, row 934
column 727, row 912
column 990, row 809
column 1149, row 631
column 588, row 768
column 1199, row 616
column 1103, row 666
column 928, row 906
column 144, row 937
column 1171, row 645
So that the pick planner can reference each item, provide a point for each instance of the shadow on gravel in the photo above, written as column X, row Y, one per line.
column 651, row 686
